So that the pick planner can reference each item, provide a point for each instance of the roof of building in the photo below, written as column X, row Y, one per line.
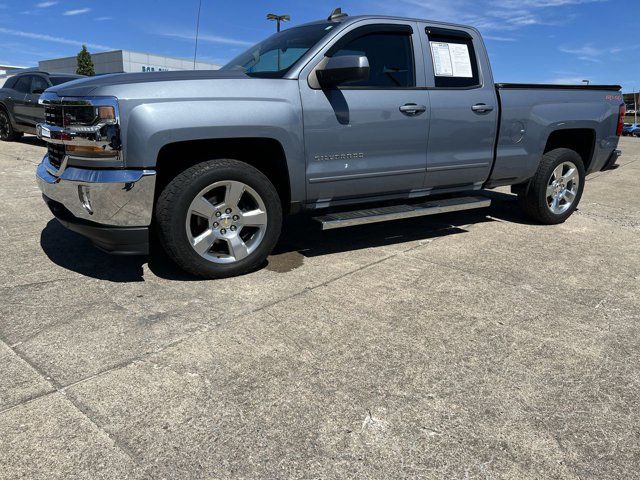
column 31, row 72
column 136, row 52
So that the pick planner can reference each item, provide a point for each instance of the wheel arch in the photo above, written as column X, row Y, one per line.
column 5, row 107
column 263, row 153
column 580, row 140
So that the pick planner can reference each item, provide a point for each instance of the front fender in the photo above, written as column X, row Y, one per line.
column 151, row 126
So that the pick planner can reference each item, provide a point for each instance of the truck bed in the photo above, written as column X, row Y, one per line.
column 531, row 115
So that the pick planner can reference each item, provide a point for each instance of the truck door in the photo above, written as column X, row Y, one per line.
column 464, row 108
column 368, row 138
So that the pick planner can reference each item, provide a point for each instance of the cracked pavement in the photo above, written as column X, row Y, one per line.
column 474, row 345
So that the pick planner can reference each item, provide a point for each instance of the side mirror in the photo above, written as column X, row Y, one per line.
column 346, row 69
column 38, row 91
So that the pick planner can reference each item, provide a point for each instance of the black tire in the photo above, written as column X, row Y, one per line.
column 7, row 133
column 173, row 204
column 533, row 198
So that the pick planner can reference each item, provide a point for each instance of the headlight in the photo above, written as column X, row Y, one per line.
column 84, row 131
column 88, row 118
column 107, row 115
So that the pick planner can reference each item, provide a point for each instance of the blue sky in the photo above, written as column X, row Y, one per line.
column 528, row 40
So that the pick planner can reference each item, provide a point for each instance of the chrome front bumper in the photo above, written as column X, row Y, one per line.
column 118, row 198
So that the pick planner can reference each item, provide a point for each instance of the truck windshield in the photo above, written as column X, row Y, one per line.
column 273, row 57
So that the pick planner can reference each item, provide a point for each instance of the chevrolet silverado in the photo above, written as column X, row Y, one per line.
column 354, row 119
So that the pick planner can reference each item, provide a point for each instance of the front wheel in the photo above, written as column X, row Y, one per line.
column 219, row 218
column 553, row 194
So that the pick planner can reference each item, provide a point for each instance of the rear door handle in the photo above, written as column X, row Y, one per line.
column 481, row 108
column 411, row 109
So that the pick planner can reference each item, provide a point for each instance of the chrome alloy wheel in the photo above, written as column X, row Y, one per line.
column 226, row 221
column 562, row 187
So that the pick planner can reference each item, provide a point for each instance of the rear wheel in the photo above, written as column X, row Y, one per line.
column 7, row 133
column 554, row 192
column 219, row 218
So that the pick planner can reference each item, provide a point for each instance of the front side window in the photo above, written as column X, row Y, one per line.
column 10, row 82
column 390, row 56
column 23, row 85
column 273, row 57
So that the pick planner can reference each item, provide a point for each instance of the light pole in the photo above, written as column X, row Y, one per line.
column 195, row 50
column 635, row 106
column 278, row 19
column 585, row 82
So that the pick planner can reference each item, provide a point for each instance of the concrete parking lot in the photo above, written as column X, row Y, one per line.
column 473, row 345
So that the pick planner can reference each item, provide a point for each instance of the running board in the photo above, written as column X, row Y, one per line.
column 397, row 212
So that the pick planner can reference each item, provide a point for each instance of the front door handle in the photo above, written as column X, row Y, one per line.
column 481, row 108
column 411, row 109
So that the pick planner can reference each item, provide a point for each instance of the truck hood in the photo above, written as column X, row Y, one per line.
column 86, row 86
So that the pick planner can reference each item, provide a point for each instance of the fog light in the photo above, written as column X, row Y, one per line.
column 85, row 198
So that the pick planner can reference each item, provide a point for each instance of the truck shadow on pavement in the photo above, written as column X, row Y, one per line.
column 301, row 238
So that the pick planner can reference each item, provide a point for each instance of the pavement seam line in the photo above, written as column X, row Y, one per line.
column 34, row 284
column 84, row 410
column 57, row 388
column 605, row 172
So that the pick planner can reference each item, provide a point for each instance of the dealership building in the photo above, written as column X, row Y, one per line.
column 124, row 61
column 5, row 69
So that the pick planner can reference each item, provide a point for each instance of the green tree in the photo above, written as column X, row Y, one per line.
column 85, row 64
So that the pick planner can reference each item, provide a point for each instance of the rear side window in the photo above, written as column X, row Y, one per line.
column 390, row 55
column 23, row 85
column 453, row 58
column 39, row 84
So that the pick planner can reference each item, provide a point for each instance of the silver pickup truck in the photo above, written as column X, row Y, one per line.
column 359, row 119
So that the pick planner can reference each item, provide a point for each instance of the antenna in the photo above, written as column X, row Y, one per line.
column 336, row 15
column 195, row 51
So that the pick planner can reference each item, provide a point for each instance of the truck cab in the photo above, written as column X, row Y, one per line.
column 404, row 122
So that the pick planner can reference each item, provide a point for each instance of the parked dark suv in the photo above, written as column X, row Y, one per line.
column 19, row 108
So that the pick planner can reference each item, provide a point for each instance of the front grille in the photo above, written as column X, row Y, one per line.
column 56, row 154
column 53, row 115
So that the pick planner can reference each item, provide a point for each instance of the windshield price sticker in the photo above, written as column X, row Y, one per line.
column 451, row 59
